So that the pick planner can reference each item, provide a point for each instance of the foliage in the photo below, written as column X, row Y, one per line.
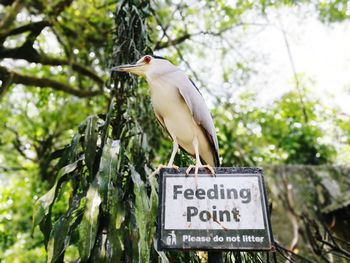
column 278, row 133
column 35, row 122
column 334, row 11
column 16, row 205
column 61, row 43
column 110, row 210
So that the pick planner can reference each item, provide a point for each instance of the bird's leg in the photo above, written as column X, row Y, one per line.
column 196, row 151
column 172, row 157
column 198, row 161
column 173, row 153
column 161, row 166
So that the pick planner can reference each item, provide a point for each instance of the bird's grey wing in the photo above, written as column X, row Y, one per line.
column 161, row 121
column 198, row 108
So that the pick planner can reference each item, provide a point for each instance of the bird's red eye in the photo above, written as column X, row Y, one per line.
column 147, row 59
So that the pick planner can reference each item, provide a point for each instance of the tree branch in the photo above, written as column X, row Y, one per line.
column 292, row 214
column 18, row 78
column 24, row 28
column 173, row 42
column 59, row 7
column 17, row 144
column 11, row 14
column 6, row 79
column 46, row 60
column 28, row 53
column 295, row 75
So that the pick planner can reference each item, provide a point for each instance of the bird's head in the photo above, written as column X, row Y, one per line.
column 146, row 66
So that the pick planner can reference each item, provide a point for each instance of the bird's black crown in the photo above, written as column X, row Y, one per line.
column 159, row 57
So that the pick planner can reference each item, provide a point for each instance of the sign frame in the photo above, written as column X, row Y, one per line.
column 220, row 172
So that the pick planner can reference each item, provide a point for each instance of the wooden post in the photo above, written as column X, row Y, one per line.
column 215, row 257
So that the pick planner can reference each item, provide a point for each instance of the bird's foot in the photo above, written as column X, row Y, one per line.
column 161, row 166
column 196, row 168
column 172, row 166
column 188, row 170
column 211, row 169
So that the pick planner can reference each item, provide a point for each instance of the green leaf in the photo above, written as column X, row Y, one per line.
column 89, row 224
column 43, row 204
column 161, row 254
column 154, row 194
column 91, row 134
column 71, row 151
column 59, row 236
column 107, row 122
column 45, row 228
column 108, row 167
column 112, row 204
column 142, row 215
column 115, row 235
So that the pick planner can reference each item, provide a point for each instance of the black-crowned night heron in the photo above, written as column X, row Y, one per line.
column 180, row 109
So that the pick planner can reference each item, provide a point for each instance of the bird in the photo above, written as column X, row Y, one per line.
column 180, row 109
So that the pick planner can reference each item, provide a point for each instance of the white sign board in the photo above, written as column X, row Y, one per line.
column 226, row 211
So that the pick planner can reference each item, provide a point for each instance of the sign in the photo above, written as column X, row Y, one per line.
column 227, row 211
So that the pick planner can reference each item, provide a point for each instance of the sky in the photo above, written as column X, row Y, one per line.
column 320, row 53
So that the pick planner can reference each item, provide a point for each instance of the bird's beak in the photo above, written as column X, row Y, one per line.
column 137, row 69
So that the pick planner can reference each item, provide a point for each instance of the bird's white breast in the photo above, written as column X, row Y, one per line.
column 168, row 102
